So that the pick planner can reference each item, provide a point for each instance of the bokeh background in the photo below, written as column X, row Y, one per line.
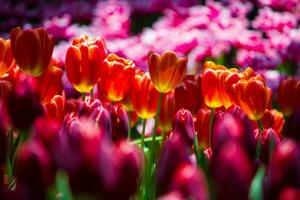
column 263, row 34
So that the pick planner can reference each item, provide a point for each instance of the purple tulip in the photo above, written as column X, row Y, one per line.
column 119, row 120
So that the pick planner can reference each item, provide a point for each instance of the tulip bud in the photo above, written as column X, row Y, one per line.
column 49, row 84
column 168, row 163
column 202, row 126
column 129, row 161
column 190, row 181
column 190, row 87
column 278, row 121
column 6, row 57
column 24, row 105
column 289, row 95
column 166, row 70
column 116, row 77
column 32, row 49
column 167, row 112
column 33, row 171
column 232, row 172
column 144, row 96
column 284, row 168
column 183, row 126
column 83, row 62
column 119, row 120
column 269, row 139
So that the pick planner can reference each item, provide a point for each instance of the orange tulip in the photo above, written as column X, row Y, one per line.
column 32, row 49
column 49, row 84
column 6, row 57
column 144, row 96
column 167, row 112
column 55, row 109
column 166, row 71
column 116, row 77
column 210, row 89
column 289, row 95
column 83, row 62
column 253, row 96
column 278, row 121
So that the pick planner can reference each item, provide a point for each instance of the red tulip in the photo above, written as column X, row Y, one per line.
column 183, row 126
column 202, row 126
column 55, row 109
column 289, row 96
column 84, row 60
column 144, row 96
column 119, row 120
column 166, row 70
column 32, row 49
column 116, row 77
column 49, row 84
column 6, row 57
column 190, row 87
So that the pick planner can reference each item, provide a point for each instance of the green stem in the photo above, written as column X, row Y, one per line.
column 211, row 121
column 153, row 149
column 143, row 133
column 146, row 140
column 129, row 125
column 83, row 96
column 196, row 149
column 258, row 147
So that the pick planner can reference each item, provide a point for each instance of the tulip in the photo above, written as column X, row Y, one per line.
column 190, row 87
column 130, row 162
column 183, row 126
column 202, row 127
column 119, row 120
column 168, row 163
column 210, row 91
column 227, row 129
column 172, row 196
column 289, row 95
column 33, row 171
column 167, row 112
column 88, row 106
column 86, row 156
column 269, row 139
column 24, row 104
column 278, row 121
column 49, row 84
column 84, row 60
column 289, row 194
column 284, row 168
column 190, row 181
column 6, row 57
column 32, row 49
column 253, row 96
column 55, row 109
column 232, row 172
column 166, row 70
column 144, row 96
column 116, row 78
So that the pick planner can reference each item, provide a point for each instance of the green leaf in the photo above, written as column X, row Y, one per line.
column 256, row 187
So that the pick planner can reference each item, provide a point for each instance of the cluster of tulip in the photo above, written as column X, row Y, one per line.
column 216, row 134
